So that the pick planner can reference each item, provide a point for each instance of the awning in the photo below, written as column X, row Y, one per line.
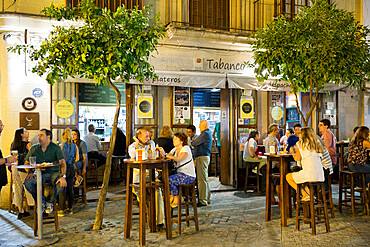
column 193, row 79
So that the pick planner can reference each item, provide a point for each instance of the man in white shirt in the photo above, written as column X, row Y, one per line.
column 93, row 146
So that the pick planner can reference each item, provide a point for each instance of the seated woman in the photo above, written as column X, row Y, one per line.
column 357, row 154
column 250, row 149
column 81, row 164
column 22, row 145
column 71, row 155
column 309, row 152
column 181, row 154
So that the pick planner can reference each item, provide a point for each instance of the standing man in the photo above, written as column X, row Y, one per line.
column 93, row 146
column 49, row 152
column 329, row 140
column 191, row 136
column 202, row 145
column 3, row 162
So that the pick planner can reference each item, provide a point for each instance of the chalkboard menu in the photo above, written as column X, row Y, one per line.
column 89, row 93
column 206, row 98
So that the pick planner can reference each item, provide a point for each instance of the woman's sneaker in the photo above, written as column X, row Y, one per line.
column 78, row 181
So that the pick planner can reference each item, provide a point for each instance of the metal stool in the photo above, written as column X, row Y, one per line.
column 187, row 197
column 315, row 205
column 251, row 165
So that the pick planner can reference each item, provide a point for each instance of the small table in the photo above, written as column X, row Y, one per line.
column 142, row 166
column 284, row 160
column 38, row 168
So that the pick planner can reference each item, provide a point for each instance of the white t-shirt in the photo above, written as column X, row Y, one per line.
column 247, row 151
column 189, row 168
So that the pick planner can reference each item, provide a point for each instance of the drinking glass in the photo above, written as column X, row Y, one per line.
column 32, row 161
column 15, row 153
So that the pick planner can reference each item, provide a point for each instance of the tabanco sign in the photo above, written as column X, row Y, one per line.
column 222, row 65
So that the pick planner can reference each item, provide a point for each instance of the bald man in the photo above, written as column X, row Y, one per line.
column 202, row 145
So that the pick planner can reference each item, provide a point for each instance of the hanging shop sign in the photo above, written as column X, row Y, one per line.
column 181, row 108
column 64, row 109
column 277, row 113
column 29, row 120
column 29, row 104
column 246, row 108
column 145, row 106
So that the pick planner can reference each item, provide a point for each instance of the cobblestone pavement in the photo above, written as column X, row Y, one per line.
column 233, row 219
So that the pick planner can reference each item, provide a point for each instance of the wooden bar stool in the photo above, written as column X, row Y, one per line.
column 328, row 193
column 251, row 165
column 48, row 220
column 92, row 171
column 187, row 197
column 117, row 172
column 347, row 187
column 82, row 188
column 316, row 204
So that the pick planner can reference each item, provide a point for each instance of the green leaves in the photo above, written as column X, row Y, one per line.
column 321, row 45
column 101, row 45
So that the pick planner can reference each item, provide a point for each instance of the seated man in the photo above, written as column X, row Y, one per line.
column 93, row 146
column 47, row 151
column 142, row 141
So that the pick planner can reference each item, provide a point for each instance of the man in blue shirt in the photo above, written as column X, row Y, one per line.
column 202, row 145
column 293, row 139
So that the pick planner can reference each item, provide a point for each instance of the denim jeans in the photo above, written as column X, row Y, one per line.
column 361, row 168
column 51, row 178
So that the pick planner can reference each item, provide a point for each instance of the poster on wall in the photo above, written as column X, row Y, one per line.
column 29, row 120
column 246, row 108
column 332, row 118
column 145, row 106
column 181, row 109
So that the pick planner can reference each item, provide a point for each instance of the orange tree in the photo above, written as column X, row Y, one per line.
column 99, row 45
column 320, row 45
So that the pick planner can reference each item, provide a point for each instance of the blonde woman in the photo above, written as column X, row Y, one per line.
column 165, row 139
column 309, row 152
column 71, row 155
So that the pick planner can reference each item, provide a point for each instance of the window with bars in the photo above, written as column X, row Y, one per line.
column 112, row 5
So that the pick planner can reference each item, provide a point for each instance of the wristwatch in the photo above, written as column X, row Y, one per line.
column 64, row 176
column 6, row 160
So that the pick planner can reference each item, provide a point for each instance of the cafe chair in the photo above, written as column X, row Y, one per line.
column 47, row 220
column 187, row 198
column 249, row 175
column 317, row 206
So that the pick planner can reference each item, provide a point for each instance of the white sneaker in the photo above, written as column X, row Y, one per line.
column 49, row 207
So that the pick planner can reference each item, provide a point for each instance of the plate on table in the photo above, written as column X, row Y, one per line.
column 45, row 164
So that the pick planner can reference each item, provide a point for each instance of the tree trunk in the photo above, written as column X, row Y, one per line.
column 103, row 193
